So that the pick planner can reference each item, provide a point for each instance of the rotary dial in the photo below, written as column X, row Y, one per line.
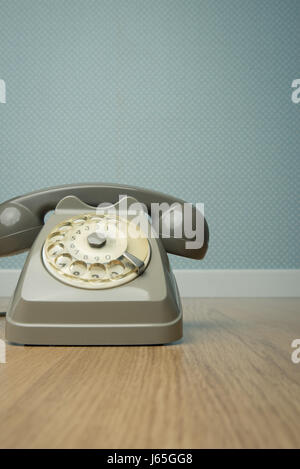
column 96, row 251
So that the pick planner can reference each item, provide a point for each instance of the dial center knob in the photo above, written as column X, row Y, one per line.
column 96, row 240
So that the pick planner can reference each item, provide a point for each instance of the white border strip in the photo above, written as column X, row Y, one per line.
column 212, row 283
column 8, row 282
column 239, row 283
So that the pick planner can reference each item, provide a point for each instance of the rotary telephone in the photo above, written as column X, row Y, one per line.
column 94, row 276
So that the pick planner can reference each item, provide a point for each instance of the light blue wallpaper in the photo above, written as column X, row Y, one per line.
column 189, row 97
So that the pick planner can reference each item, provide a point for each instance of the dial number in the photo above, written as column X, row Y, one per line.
column 115, row 269
column 55, row 249
column 63, row 261
column 78, row 268
column 97, row 271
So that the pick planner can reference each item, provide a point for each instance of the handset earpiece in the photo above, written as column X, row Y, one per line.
column 19, row 227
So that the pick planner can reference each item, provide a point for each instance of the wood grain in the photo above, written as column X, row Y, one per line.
column 229, row 384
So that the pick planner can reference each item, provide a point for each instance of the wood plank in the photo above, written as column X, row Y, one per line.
column 229, row 384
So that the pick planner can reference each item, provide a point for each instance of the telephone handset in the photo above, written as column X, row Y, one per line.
column 94, row 275
column 22, row 218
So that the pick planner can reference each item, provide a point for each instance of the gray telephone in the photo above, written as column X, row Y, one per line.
column 92, row 276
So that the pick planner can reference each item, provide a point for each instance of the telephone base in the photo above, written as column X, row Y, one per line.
column 154, row 334
column 46, row 311
column 146, row 311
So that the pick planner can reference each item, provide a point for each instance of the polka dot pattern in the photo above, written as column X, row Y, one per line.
column 191, row 98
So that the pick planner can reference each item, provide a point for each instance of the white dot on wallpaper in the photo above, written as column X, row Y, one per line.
column 189, row 98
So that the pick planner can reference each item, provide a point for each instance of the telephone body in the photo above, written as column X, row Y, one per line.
column 83, row 285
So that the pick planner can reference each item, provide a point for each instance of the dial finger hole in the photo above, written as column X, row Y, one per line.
column 96, row 219
column 97, row 271
column 78, row 268
column 116, row 268
column 55, row 249
column 55, row 237
column 65, row 227
column 79, row 221
column 63, row 261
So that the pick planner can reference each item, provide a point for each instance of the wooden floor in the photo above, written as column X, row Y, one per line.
column 229, row 384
